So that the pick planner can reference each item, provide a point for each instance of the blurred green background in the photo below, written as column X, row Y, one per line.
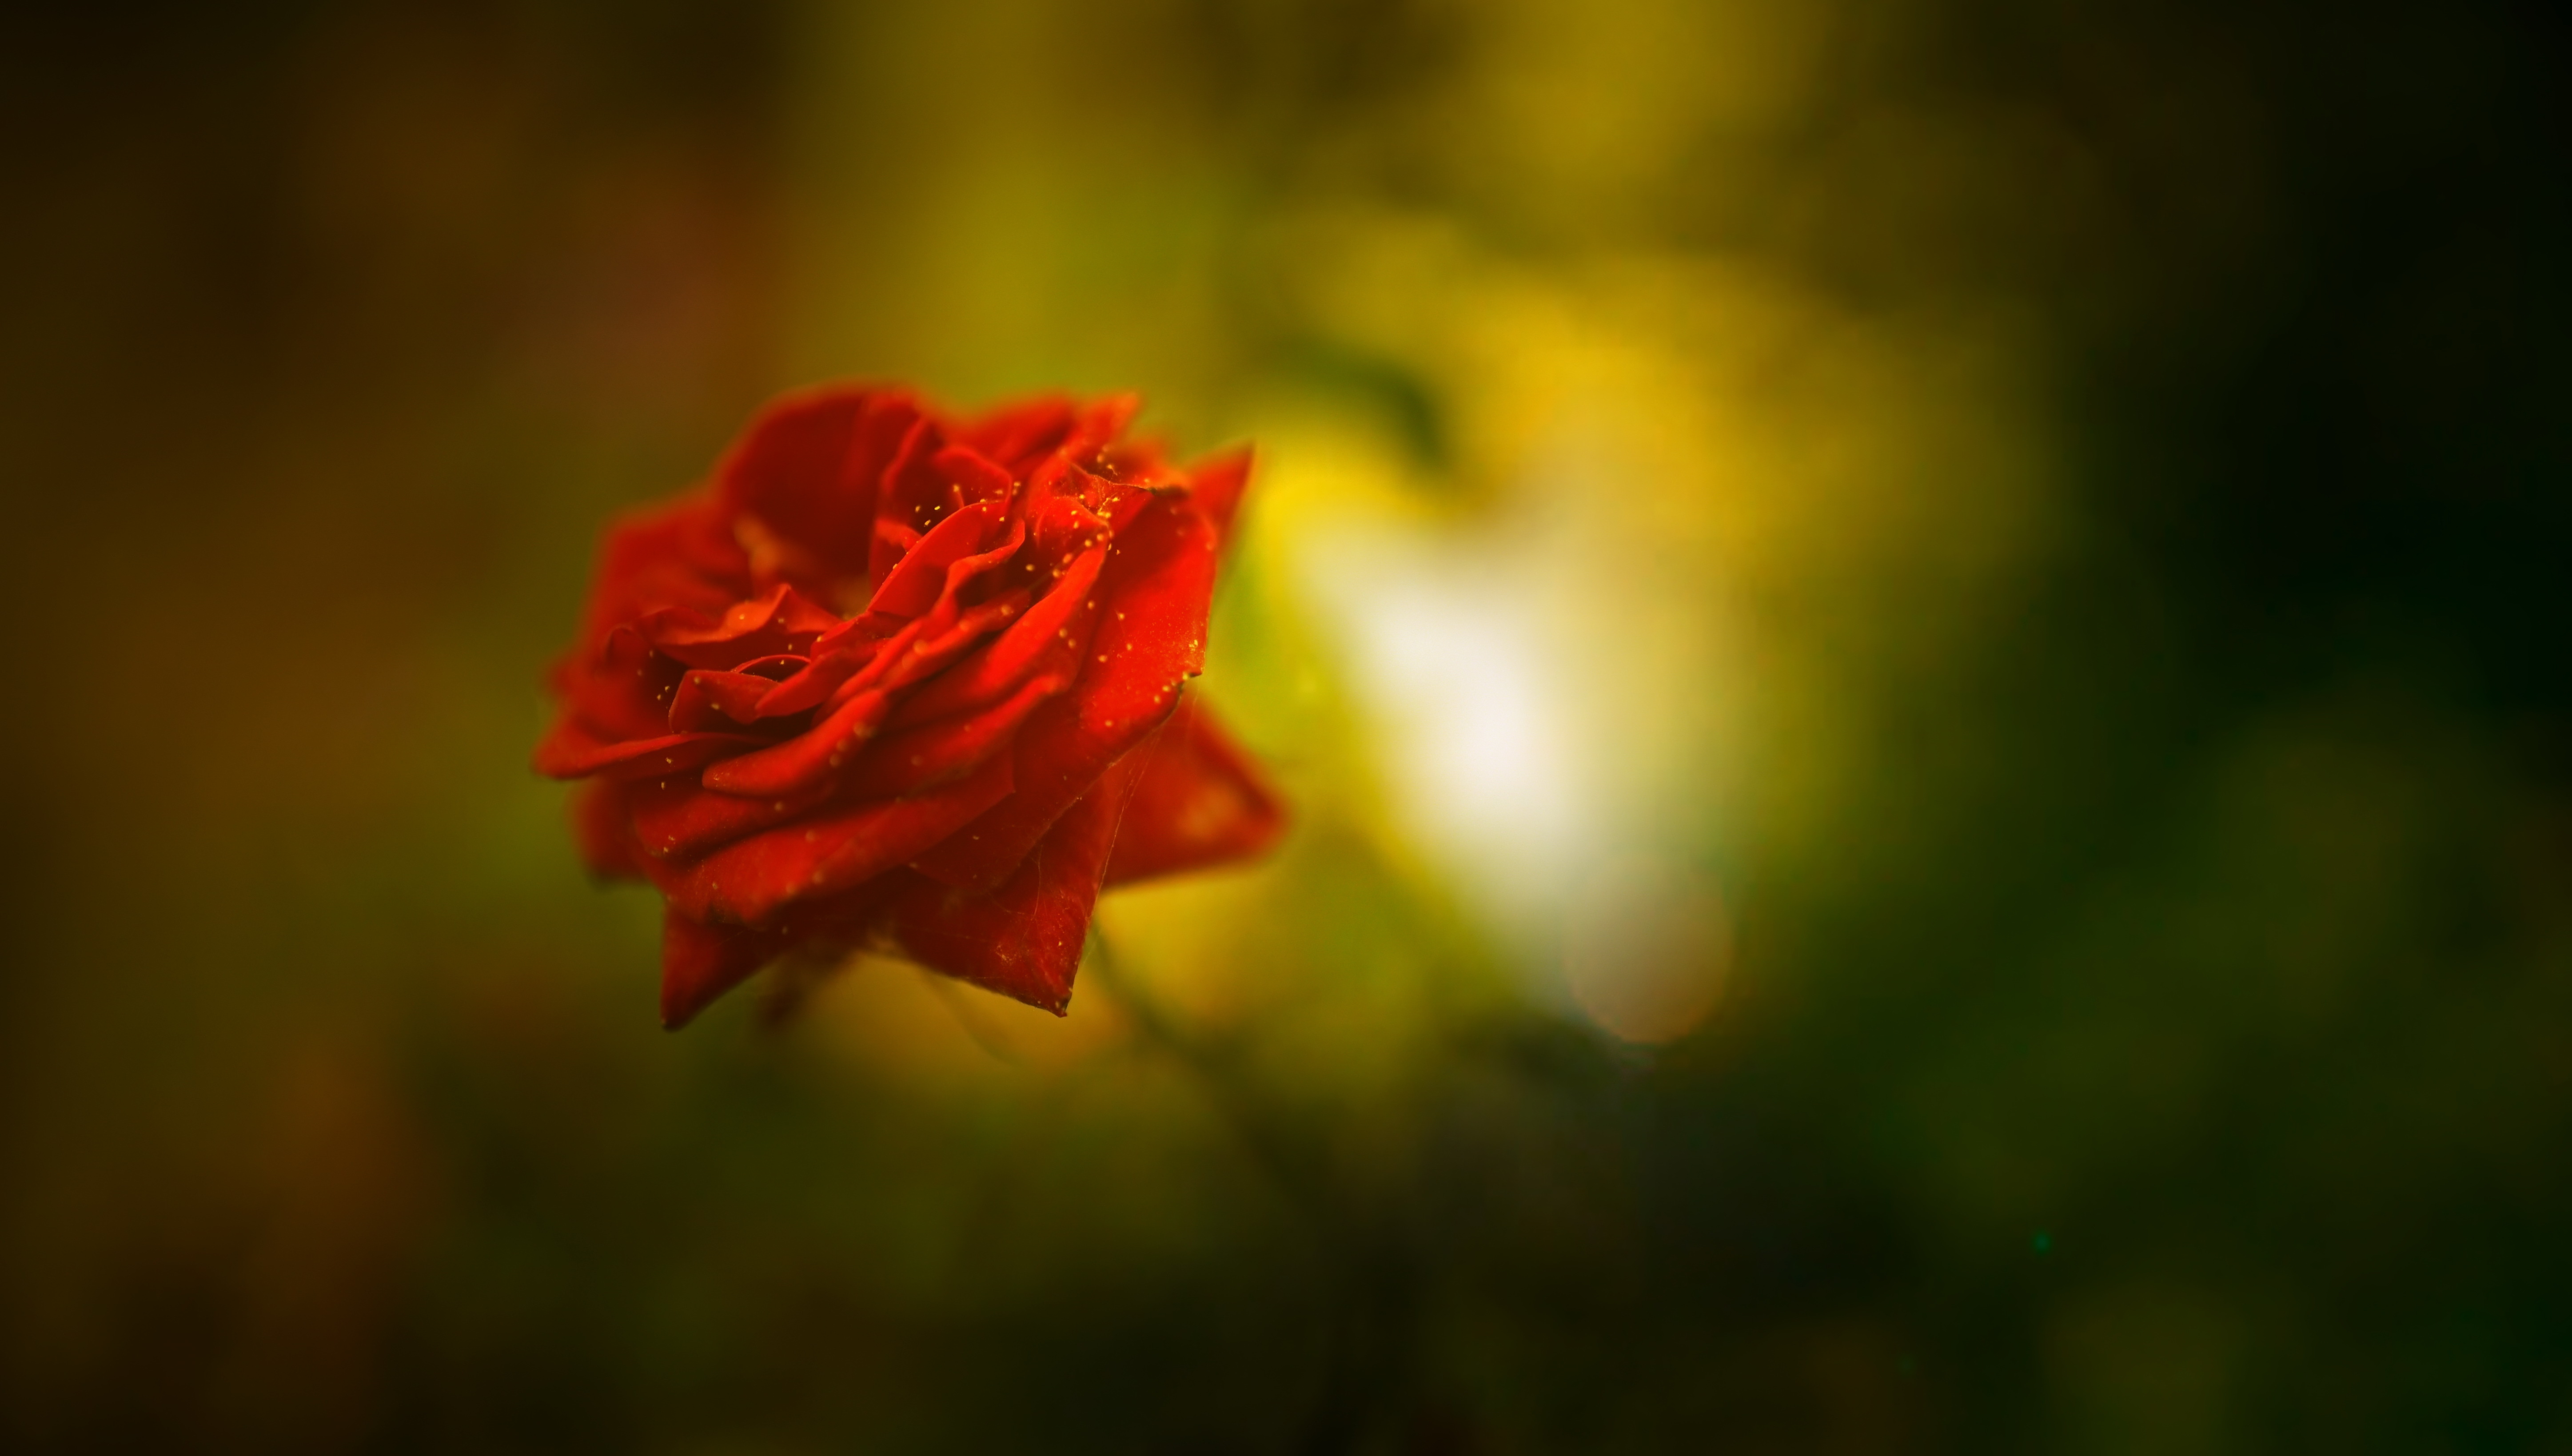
column 1919, row 644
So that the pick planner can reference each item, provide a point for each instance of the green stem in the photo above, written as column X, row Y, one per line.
column 1367, row 1335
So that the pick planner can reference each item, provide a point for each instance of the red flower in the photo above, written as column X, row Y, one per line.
column 951, row 769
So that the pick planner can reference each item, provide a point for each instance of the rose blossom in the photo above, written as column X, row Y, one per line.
column 901, row 680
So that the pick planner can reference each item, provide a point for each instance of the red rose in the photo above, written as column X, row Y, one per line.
column 907, row 680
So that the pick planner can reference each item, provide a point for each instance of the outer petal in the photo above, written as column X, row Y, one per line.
column 701, row 962
column 1149, row 638
column 573, row 752
column 908, row 495
column 815, row 858
column 674, row 555
column 1198, row 803
column 1025, row 938
column 807, row 468
column 1216, row 484
column 598, row 823
column 618, row 687
column 1100, row 422
column 1020, row 435
column 680, row 820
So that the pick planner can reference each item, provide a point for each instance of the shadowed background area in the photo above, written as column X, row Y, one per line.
column 1918, row 645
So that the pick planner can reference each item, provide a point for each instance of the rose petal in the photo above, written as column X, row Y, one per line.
column 1198, row 803
column 598, row 820
column 925, row 655
column 1149, row 638
column 680, row 818
column 1216, row 484
column 1025, row 938
column 842, row 672
column 1063, row 529
column 779, row 621
column 701, row 962
column 719, row 701
column 907, row 763
column 1100, row 423
column 979, row 475
column 776, row 667
column 1020, row 435
column 674, row 555
column 781, row 770
column 808, row 465
column 1143, row 463
column 835, row 850
column 910, row 497
column 572, row 752
column 1057, row 626
column 892, row 540
column 622, row 690
column 921, row 578
column 836, row 659
column 857, row 657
